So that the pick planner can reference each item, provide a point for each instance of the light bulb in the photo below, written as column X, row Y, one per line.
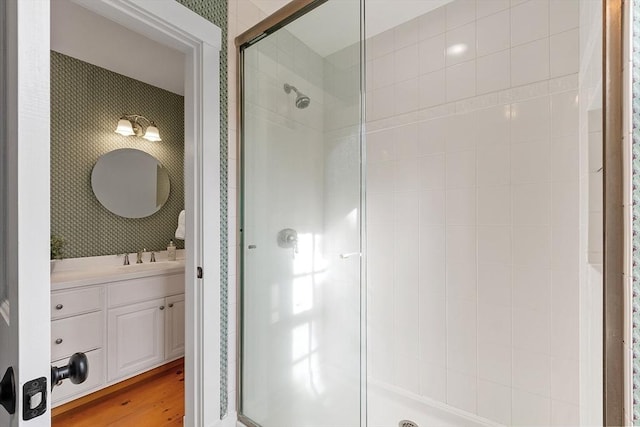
column 124, row 128
column 152, row 133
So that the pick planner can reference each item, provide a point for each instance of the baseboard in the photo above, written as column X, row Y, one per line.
column 102, row 393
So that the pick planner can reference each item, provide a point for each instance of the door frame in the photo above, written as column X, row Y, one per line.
column 171, row 24
column 616, row 178
column 25, row 306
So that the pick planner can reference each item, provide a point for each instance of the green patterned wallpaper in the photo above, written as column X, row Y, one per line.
column 86, row 103
column 216, row 11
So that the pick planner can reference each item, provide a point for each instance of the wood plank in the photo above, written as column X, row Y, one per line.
column 116, row 387
column 153, row 400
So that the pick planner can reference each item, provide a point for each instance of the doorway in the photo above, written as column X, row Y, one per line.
column 96, row 219
column 198, row 45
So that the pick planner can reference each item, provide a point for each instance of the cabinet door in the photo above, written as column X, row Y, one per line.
column 174, row 337
column 136, row 338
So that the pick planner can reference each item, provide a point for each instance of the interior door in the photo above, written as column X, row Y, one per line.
column 24, row 211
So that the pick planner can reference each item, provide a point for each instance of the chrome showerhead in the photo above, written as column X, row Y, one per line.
column 302, row 100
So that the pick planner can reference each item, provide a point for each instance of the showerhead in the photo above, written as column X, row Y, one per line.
column 302, row 100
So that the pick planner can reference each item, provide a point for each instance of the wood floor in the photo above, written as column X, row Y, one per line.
column 156, row 402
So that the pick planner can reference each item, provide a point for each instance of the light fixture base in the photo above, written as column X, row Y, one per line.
column 140, row 126
column 137, row 128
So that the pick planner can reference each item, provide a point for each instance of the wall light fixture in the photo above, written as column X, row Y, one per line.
column 134, row 124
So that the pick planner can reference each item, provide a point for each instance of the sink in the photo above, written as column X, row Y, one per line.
column 95, row 270
column 149, row 266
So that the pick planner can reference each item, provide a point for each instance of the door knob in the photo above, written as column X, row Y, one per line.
column 8, row 391
column 77, row 370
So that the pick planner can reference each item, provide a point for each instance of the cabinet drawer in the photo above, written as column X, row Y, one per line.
column 94, row 380
column 64, row 304
column 78, row 333
column 145, row 289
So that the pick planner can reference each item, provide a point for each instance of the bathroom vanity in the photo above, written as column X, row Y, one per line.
column 127, row 319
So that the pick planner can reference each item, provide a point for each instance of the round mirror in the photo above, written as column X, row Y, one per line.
column 130, row 183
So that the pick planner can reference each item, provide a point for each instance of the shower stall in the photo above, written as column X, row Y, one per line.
column 421, row 214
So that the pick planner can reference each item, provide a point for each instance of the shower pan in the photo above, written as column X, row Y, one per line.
column 474, row 128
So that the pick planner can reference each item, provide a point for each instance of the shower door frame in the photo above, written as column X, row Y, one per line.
column 616, row 183
column 283, row 16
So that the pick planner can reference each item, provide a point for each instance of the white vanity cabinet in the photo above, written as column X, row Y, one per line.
column 125, row 327
column 136, row 323
column 136, row 338
column 77, row 325
column 143, row 335
column 174, row 327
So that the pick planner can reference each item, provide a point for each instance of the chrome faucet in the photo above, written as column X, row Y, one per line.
column 126, row 259
column 153, row 257
column 139, row 258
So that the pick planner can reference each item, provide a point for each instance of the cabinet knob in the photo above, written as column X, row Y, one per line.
column 171, row 305
column 59, row 341
column 162, row 307
column 59, row 307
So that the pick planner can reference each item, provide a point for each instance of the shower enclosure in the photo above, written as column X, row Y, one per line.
column 301, row 220
column 480, row 126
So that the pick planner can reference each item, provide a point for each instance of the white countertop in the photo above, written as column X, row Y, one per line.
column 77, row 272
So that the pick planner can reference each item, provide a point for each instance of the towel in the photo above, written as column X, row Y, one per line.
column 180, row 229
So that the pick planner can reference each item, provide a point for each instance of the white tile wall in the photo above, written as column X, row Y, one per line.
column 530, row 62
column 529, row 22
column 492, row 145
column 493, row 33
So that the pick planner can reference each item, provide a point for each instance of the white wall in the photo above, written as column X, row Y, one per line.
column 473, row 209
column 84, row 35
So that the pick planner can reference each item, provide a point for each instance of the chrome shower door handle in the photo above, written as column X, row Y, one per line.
column 349, row 255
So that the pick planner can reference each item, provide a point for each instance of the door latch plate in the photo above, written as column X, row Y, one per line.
column 34, row 398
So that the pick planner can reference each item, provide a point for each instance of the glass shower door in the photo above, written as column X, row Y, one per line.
column 301, row 223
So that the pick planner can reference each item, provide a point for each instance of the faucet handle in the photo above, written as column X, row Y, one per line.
column 153, row 257
column 126, row 259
